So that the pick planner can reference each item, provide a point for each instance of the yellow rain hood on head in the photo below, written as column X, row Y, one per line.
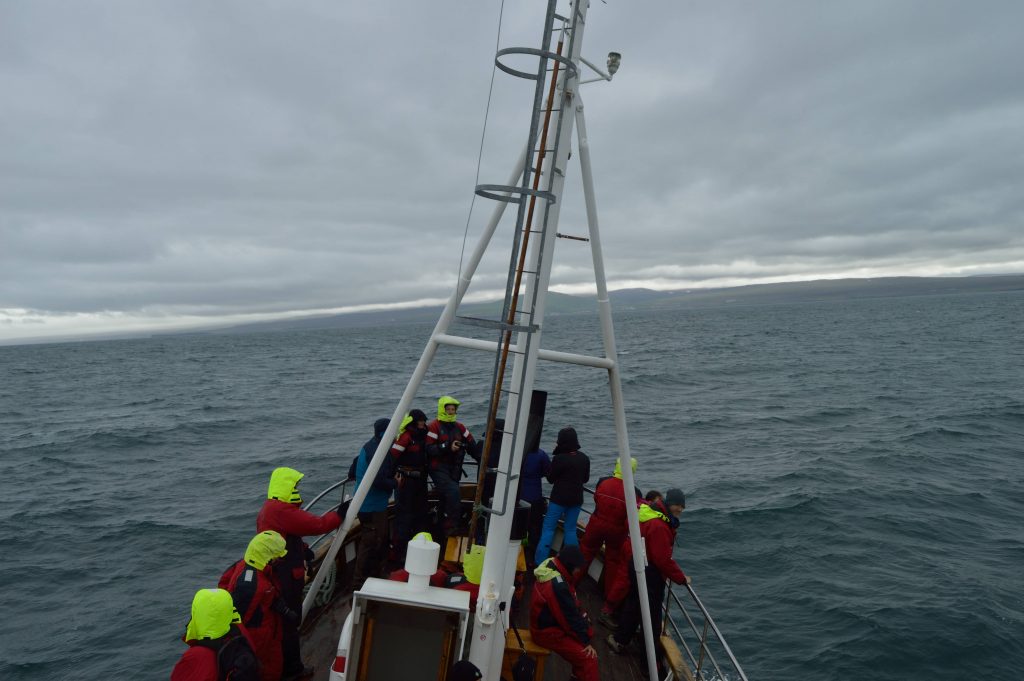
column 441, row 403
column 284, row 485
column 213, row 611
column 263, row 548
column 405, row 422
column 423, row 536
column 618, row 467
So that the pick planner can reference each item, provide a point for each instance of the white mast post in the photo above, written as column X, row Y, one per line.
column 488, row 644
column 615, row 384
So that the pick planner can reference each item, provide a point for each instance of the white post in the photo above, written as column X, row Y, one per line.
column 614, row 382
column 488, row 645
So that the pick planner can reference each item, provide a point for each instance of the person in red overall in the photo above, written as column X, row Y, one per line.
column 218, row 645
column 659, row 521
column 617, row 583
column 258, row 600
column 283, row 514
column 557, row 621
column 608, row 526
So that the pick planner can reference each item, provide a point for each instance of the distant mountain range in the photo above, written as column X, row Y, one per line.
column 646, row 299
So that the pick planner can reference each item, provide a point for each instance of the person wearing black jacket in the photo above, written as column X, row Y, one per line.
column 409, row 454
column 570, row 470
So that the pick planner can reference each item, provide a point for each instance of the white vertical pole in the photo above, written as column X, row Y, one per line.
column 608, row 333
column 413, row 386
column 488, row 645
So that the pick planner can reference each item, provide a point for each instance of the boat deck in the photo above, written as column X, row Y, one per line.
column 320, row 642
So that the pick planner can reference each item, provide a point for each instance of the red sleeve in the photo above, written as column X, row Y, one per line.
column 197, row 664
column 399, row 446
column 293, row 520
column 659, row 553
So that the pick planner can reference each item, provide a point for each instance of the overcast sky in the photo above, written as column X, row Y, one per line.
column 184, row 162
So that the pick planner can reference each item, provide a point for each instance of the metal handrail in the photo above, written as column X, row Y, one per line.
column 341, row 483
column 703, row 649
column 696, row 662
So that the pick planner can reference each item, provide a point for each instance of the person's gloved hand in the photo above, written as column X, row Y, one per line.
column 286, row 613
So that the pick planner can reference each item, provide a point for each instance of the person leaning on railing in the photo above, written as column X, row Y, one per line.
column 658, row 523
column 283, row 514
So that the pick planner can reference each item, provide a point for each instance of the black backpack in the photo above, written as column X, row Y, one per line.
column 236, row 660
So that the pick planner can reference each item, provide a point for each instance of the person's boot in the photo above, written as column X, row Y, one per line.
column 614, row 645
column 606, row 618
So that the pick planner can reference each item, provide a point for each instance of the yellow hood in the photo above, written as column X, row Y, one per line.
column 618, row 467
column 546, row 571
column 646, row 513
column 441, row 403
column 405, row 422
column 284, row 484
column 263, row 548
column 213, row 611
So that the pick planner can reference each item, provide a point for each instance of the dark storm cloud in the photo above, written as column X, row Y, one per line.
column 210, row 159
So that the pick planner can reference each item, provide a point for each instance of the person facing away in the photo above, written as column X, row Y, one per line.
column 617, row 580
column 570, row 470
column 536, row 465
column 282, row 513
column 557, row 621
column 608, row 526
column 373, row 514
column 409, row 456
column 218, row 646
column 659, row 521
column 257, row 598
column 448, row 442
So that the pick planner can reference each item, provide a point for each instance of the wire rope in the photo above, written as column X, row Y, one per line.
column 480, row 152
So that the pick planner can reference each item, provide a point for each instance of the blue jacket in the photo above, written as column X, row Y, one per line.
column 384, row 484
column 536, row 465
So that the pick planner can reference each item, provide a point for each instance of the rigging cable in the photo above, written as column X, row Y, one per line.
column 480, row 153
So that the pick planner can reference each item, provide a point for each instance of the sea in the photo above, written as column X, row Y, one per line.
column 854, row 473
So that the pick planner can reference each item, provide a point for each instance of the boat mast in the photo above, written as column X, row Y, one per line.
column 534, row 273
column 497, row 578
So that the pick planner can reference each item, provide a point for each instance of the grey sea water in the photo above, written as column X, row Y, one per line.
column 854, row 474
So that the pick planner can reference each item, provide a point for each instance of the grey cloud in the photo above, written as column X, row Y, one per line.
column 215, row 158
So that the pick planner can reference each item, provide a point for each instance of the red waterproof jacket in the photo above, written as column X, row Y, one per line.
column 554, row 603
column 607, row 525
column 257, row 599
column 199, row 662
column 659, row 534
column 292, row 523
column 410, row 451
column 610, row 502
column 440, row 435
